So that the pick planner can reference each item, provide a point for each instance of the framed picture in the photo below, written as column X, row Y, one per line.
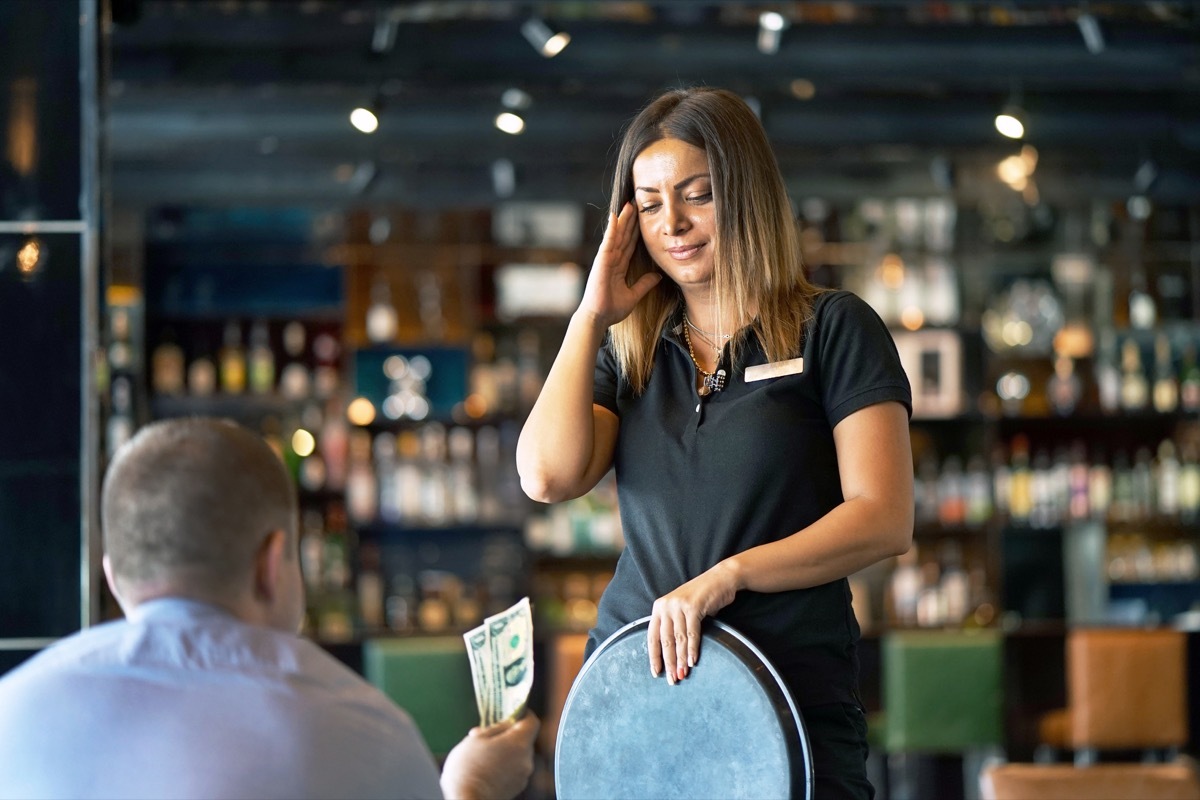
column 933, row 361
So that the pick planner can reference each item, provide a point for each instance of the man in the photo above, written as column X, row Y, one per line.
column 205, row 690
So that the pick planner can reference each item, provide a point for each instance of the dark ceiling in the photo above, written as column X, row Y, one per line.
column 246, row 102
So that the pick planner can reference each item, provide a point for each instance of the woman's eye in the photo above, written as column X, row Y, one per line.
column 701, row 198
column 648, row 207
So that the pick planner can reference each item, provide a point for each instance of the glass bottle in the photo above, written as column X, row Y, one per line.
column 167, row 366
column 202, row 374
column 1167, row 474
column 1189, row 380
column 232, row 360
column 382, row 320
column 1135, row 390
column 1166, row 385
column 1064, row 387
column 294, row 379
column 362, row 491
column 261, row 360
column 1108, row 377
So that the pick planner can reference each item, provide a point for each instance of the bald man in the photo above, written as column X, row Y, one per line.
column 205, row 690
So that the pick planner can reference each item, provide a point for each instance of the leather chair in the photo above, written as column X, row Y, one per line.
column 942, row 696
column 1174, row 781
column 430, row 678
column 1126, row 690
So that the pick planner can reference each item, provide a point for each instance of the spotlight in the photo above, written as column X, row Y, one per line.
column 544, row 40
column 771, row 25
column 515, row 99
column 1146, row 175
column 1093, row 36
column 1010, row 121
column 364, row 119
column 30, row 258
column 510, row 122
column 504, row 177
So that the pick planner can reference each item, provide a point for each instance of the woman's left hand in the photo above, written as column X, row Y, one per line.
column 673, row 638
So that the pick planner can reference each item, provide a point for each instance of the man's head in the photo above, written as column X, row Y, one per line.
column 202, row 508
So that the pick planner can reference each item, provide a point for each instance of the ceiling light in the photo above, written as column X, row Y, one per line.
column 1093, row 36
column 803, row 89
column 515, row 98
column 771, row 25
column 510, row 122
column 1146, row 175
column 504, row 177
column 364, row 119
column 544, row 40
column 1010, row 122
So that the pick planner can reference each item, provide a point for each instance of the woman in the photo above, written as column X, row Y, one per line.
column 758, row 426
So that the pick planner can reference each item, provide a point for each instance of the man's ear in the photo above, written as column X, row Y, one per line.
column 268, row 565
column 111, row 578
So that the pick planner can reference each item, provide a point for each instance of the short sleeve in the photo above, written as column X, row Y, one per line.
column 604, row 389
column 857, row 358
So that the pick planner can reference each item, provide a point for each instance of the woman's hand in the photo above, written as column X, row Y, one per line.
column 673, row 638
column 608, row 298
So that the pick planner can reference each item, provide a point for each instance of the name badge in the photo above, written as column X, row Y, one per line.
column 760, row 372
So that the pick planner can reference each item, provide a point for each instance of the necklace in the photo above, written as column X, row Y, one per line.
column 712, row 337
column 710, row 381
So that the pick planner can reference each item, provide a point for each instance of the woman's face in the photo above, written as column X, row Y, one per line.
column 673, row 194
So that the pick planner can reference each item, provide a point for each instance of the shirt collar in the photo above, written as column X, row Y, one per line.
column 178, row 608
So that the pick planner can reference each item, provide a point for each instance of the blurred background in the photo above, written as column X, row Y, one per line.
column 361, row 227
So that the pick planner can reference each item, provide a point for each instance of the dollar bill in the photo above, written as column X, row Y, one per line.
column 501, row 654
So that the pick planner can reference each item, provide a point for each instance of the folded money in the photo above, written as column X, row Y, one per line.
column 501, row 655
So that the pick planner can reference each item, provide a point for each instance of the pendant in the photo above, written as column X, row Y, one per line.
column 714, row 382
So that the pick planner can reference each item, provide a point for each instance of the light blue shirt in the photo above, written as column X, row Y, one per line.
column 183, row 700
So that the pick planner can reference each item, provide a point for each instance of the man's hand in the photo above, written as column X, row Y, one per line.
column 492, row 763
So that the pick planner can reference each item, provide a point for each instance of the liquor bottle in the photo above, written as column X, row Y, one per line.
column 951, row 495
column 926, row 490
column 464, row 495
column 1100, row 487
column 1167, row 477
column 383, row 450
column 1189, row 485
column 1189, row 380
column 167, row 366
column 1020, row 503
column 1108, row 377
column 1078, row 480
column 362, row 491
column 979, row 492
column 261, row 360
column 955, row 583
column 120, row 426
column 370, row 587
column 232, row 360
column 408, row 475
column 202, row 373
column 1064, row 387
column 326, row 379
column 1144, row 490
column 1166, row 385
column 905, row 587
column 1123, row 501
column 1135, row 391
column 382, row 320
column 1001, row 481
column 294, row 379
column 333, row 444
column 435, row 504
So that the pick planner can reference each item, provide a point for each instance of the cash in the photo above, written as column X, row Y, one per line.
column 501, row 655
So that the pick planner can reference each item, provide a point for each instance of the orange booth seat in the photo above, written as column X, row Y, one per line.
column 1126, row 690
column 1177, row 780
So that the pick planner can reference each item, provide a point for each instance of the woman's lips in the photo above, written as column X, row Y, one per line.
column 684, row 253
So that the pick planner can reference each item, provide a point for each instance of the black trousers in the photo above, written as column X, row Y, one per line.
column 837, row 734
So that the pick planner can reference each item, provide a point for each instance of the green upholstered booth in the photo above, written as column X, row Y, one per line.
column 430, row 677
column 942, row 691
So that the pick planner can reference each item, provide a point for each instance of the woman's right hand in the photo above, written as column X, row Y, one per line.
column 608, row 298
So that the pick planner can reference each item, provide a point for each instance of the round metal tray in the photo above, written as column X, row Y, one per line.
column 729, row 730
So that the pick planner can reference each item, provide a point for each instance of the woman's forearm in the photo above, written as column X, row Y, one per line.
column 556, row 454
column 854, row 535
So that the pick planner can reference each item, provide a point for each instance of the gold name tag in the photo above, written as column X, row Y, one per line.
column 761, row 372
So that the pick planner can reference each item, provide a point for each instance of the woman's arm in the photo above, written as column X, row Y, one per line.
column 566, row 444
column 874, row 522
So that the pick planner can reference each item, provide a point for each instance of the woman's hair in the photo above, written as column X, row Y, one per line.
column 188, row 502
column 757, row 259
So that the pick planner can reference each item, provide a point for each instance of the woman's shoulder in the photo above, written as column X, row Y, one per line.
column 829, row 303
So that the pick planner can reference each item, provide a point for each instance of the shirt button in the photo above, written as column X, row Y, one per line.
column 697, row 408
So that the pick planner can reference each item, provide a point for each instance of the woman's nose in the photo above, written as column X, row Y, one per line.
column 675, row 219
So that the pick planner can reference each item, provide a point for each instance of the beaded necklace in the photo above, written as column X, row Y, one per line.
column 710, row 381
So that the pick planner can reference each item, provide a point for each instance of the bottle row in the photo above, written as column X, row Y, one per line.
column 289, row 359
column 358, row 586
column 1046, row 487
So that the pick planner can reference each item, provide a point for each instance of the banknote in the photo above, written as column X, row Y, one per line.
column 501, row 655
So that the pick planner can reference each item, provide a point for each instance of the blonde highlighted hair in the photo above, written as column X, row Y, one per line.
column 757, row 259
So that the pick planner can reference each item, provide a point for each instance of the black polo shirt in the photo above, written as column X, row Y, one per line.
column 699, row 479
